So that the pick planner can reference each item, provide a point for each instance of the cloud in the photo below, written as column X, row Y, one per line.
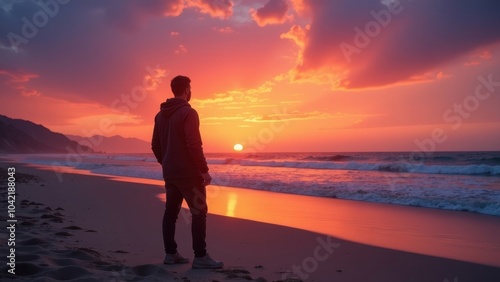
column 226, row 29
column 155, row 77
column 299, row 6
column 478, row 58
column 236, row 99
column 273, row 12
column 224, row 118
column 89, row 51
column 124, row 15
column 361, row 44
column 19, row 82
column 295, row 115
column 113, row 119
column 335, row 120
column 181, row 49
column 443, row 75
column 129, row 15
column 216, row 8
column 18, row 77
column 297, row 34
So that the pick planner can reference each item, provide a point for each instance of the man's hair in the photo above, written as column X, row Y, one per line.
column 179, row 84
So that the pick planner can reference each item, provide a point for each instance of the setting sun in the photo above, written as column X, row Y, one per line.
column 238, row 147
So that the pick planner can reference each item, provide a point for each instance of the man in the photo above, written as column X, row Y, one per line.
column 177, row 146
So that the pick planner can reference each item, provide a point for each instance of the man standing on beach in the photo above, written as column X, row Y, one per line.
column 178, row 148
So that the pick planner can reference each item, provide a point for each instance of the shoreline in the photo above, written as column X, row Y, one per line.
column 127, row 216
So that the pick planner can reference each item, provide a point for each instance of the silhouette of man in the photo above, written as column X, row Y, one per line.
column 177, row 146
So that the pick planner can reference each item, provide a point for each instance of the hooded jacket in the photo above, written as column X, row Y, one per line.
column 176, row 141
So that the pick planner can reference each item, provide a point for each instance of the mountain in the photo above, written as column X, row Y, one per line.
column 19, row 136
column 114, row 144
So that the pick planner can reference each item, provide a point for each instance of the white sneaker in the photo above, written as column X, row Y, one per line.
column 207, row 262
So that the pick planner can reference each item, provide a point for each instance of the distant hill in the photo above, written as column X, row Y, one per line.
column 19, row 136
column 114, row 144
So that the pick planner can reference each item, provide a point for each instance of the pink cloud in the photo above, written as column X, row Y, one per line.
column 478, row 58
column 362, row 44
column 226, row 29
column 297, row 34
column 215, row 8
column 19, row 82
column 273, row 12
column 18, row 77
column 181, row 49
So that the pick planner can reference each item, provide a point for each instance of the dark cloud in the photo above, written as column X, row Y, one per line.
column 374, row 43
column 215, row 8
column 82, row 50
column 274, row 11
column 130, row 14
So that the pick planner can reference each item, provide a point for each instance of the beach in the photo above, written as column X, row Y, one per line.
column 87, row 227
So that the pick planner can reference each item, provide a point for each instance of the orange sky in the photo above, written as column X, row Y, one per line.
column 272, row 75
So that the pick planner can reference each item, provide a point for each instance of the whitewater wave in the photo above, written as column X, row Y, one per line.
column 333, row 158
column 399, row 167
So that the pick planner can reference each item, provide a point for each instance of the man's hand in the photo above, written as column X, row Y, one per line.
column 206, row 178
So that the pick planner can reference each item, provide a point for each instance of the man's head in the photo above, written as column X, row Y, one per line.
column 181, row 87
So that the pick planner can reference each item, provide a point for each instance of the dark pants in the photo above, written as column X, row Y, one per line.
column 193, row 191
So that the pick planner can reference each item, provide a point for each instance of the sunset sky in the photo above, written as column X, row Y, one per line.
column 273, row 75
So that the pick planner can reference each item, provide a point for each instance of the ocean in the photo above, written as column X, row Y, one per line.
column 460, row 181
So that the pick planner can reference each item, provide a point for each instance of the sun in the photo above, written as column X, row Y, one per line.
column 238, row 147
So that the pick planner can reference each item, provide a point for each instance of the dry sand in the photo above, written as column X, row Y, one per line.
column 95, row 228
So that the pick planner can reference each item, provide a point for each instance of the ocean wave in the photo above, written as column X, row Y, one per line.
column 476, row 206
column 333, row 158
column 398, row 167
column 222, row 161
column 491, row 160
column 129, row 171
column 394, row 167
column 130, row 158
column 443, row 158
